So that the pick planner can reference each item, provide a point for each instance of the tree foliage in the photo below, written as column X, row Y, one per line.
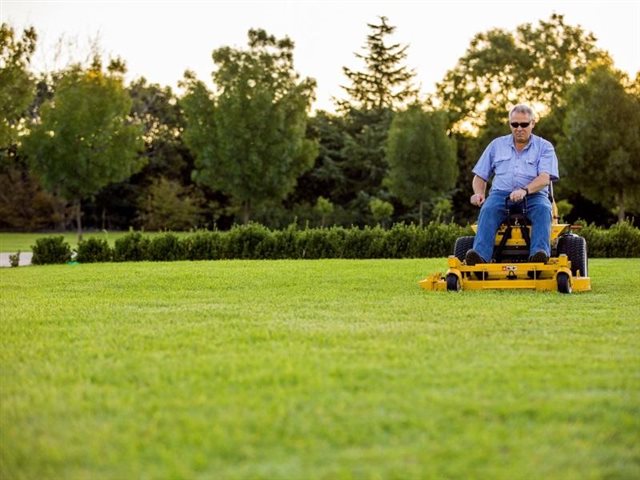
column 17, row 87
column 249, row 142
column 385, row 82
column 422, row 158
column 374, row 93
column 601, row 142
column 155, row 108
column 84, row 138
column 167, row 205
column 534, row 65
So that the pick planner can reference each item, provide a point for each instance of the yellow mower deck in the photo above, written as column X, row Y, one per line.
column 532, row 276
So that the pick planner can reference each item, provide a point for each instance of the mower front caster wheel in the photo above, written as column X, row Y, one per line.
column 564, row 283
column 453, row 283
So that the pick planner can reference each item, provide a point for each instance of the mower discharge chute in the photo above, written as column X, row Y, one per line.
column 565, row 271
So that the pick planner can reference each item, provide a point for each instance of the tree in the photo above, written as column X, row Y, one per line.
column 249, row 139
column 386, row 82
column 326, row 178
column 17, row 87
column 156, row 110
column 381, row 210
column 324, row 208
column 422, row 158
column 84, row 138
column 167, row 205
column 601, row 142
column 532, row 65
column 24, row 204
column 374, row 93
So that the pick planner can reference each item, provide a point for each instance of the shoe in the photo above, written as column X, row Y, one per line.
column 539, row 257
column 472, row 257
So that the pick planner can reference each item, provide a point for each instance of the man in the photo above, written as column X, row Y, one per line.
column 522, row 165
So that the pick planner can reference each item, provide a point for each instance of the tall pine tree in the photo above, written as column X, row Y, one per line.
column 383, row 86
column 386, row 81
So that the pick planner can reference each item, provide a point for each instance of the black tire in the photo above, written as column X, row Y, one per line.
column 564, row 282
column 531, row 274
column 462, row 246
column 575, row 247
column 453, row 283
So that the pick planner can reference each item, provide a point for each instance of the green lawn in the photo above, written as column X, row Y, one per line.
column 333, row 369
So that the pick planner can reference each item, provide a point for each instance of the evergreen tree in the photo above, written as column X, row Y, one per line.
column 385, row 82
column 374, row 93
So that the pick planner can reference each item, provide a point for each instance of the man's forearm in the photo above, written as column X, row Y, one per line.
column 538, row 183
column 479, row 185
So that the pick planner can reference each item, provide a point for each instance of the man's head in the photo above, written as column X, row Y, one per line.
column 521, row 121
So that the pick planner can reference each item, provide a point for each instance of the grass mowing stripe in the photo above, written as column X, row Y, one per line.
column 313, row 369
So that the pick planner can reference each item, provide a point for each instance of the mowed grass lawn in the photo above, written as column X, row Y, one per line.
column 328, row 369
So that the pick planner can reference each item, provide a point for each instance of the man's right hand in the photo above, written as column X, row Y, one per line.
column 477, row 199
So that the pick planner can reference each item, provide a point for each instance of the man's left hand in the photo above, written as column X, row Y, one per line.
column 517, row 195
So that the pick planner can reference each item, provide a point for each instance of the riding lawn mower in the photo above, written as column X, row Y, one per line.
column 510, row 268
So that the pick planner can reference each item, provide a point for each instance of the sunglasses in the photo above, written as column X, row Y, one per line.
column 521, row 124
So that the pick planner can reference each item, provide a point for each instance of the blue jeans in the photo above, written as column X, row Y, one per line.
column 493, row 213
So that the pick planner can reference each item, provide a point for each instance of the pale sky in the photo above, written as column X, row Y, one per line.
column 161, row 39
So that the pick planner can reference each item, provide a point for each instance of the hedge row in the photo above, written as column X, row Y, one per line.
column 622, row 240
column 258, row 242
column 255, row 241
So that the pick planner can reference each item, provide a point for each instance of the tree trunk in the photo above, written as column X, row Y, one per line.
column 621, row 210
column 421, row 213
column 78, row 207
column 246, row 211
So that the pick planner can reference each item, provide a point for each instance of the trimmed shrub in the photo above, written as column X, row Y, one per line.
column 398, row 243
column 165, row 248
column 321, row 242
column 364, row 243
column 133, row 247
column 625, row 240
column 204, row 246
column 94, row 250
column 283, row 243
column 50, row 250
column 621, row 240
column 242, row 241
column 438, row 239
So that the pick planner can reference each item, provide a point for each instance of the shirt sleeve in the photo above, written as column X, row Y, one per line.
column 548, row 161
column 484, row 167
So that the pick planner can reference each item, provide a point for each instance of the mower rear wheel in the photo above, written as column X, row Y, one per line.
column 453, row 283
column 575, row 247
column 564, row 283
column 462, row 246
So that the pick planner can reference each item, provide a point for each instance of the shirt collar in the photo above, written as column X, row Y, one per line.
column 527, row 146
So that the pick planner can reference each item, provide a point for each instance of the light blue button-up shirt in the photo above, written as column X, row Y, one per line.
column 512, row 169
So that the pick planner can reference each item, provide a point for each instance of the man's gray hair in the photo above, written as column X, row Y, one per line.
column 522, row 108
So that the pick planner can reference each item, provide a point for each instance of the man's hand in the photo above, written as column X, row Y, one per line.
column 517, row 195
column 477, row 199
